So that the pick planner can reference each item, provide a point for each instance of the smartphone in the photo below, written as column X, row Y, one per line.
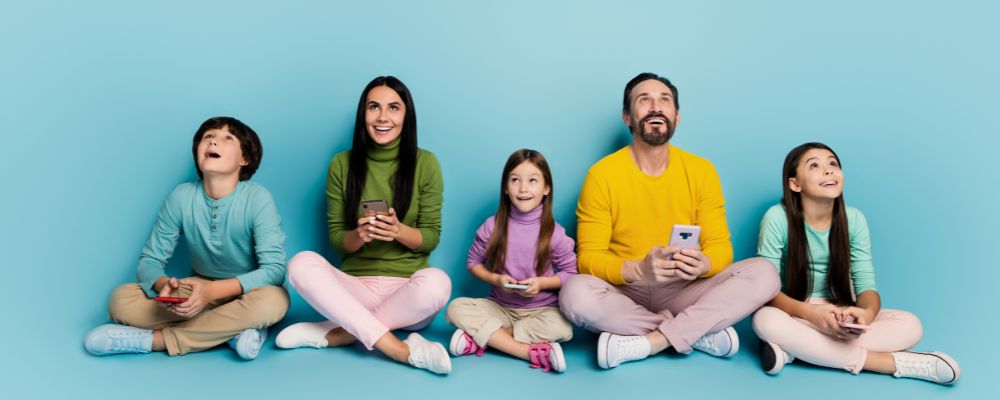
column 515, row 286
column 685, row 236
column 170, row 299
column 374, row 206
column 854, row 326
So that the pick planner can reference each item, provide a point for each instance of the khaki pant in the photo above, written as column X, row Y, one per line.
column 481, row 317
column 220, row 321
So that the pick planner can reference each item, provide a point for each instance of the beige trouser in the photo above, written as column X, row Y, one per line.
column 481, row 317
column 220, row 321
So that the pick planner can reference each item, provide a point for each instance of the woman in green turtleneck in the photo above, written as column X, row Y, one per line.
column 384, row 282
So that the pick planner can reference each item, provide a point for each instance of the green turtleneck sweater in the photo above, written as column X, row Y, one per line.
column 380, row 258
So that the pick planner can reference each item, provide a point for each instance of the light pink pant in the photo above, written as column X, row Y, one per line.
column 368, row 307
column 892, row 330
column 683, row 311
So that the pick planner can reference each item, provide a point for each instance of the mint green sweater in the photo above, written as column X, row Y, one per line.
column 380, row 258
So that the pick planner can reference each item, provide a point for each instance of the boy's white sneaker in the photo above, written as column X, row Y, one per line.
column 248, row 343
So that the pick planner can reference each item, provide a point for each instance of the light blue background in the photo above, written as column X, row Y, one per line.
column 98, row 103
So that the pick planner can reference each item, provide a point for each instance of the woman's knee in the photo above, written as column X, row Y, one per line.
column 435, row 285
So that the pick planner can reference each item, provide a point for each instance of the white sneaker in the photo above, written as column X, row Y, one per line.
column 248, row 343
column 613, row 350
column 111, row 339
column 773, row 358
column 304, row 334
column 428, row 355
column 724, row 343
column 935, row 366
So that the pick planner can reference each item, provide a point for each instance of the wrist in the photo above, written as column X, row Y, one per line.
column 631, row 271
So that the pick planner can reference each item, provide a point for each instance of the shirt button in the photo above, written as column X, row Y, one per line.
column 213, row 227
column 214, row 216
column 215, row 207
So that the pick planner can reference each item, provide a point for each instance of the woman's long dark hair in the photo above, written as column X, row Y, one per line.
column 798, row 274
column 402, row 182
column 496, row 251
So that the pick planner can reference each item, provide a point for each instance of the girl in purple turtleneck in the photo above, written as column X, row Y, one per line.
column 525, row 256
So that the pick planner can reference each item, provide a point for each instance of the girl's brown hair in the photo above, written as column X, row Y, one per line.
column 798, row 274
column 497, row 248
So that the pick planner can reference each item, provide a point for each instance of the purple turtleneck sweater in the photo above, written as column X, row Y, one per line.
column 522, row 236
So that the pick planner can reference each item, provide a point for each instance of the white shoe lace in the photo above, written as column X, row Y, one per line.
column 631, row 347
column 917, row 366
column 710, row 342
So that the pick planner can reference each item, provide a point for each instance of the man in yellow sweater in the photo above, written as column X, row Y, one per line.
column 642, row 296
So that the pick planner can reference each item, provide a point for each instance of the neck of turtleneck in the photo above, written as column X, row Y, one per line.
column 387, row 152
column 529, row 217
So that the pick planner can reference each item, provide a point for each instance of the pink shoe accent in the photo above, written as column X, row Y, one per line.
column 471, row 347
column 539, row 355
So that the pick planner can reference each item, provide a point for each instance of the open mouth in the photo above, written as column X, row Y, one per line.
column 524, row 198
column 828, row 184
column 213, row 154
column 655, row 119
column 383, row 129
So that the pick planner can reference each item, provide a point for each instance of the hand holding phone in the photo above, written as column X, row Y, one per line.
column 170, row 300
column 851, row 325
column 514, row 286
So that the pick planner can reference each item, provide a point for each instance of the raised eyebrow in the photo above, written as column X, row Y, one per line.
column 811, row 158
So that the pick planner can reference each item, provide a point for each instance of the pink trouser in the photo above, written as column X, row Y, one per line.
column 892, row 330
column 368, row 307
column 683, row 311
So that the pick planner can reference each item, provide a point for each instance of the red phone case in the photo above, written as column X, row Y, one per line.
column 170, row 299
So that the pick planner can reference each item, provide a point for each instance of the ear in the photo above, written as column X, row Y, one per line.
column 677, row 120
column 626, row 119
column 244, row 162
column 794, row 185
column 548, row 189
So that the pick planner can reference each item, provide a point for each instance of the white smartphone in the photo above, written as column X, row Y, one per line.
column 685, row 237
column 515, row 286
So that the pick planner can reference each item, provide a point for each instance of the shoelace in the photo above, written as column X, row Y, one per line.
column 471, row 347
column 708, row 341
column 629, row 348
column 539, row 355
column 126, row 342
column 917, row 365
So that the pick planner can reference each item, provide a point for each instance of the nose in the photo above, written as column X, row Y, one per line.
column 381, row 116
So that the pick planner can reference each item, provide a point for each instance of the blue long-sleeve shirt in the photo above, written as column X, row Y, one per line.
column 236, row 236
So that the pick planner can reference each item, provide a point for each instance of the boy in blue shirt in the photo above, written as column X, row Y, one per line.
column 236, row 245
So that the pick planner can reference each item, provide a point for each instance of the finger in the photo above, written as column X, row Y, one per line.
column 686, row 259
column 693, row 253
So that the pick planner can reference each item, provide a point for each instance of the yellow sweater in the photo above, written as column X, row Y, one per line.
column 623, row 212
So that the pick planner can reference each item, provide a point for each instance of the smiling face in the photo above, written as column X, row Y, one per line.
column 818, row 175
column 526, row 186
column 219, row 153
column 384, row 114
column 653, row 115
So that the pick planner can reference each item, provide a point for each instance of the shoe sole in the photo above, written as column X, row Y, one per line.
column 769, row 359
column 602, row 350
column 735, row 339
column 557, row 358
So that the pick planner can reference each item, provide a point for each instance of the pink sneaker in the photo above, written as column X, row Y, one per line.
column 463, row 345
column 547, row 356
